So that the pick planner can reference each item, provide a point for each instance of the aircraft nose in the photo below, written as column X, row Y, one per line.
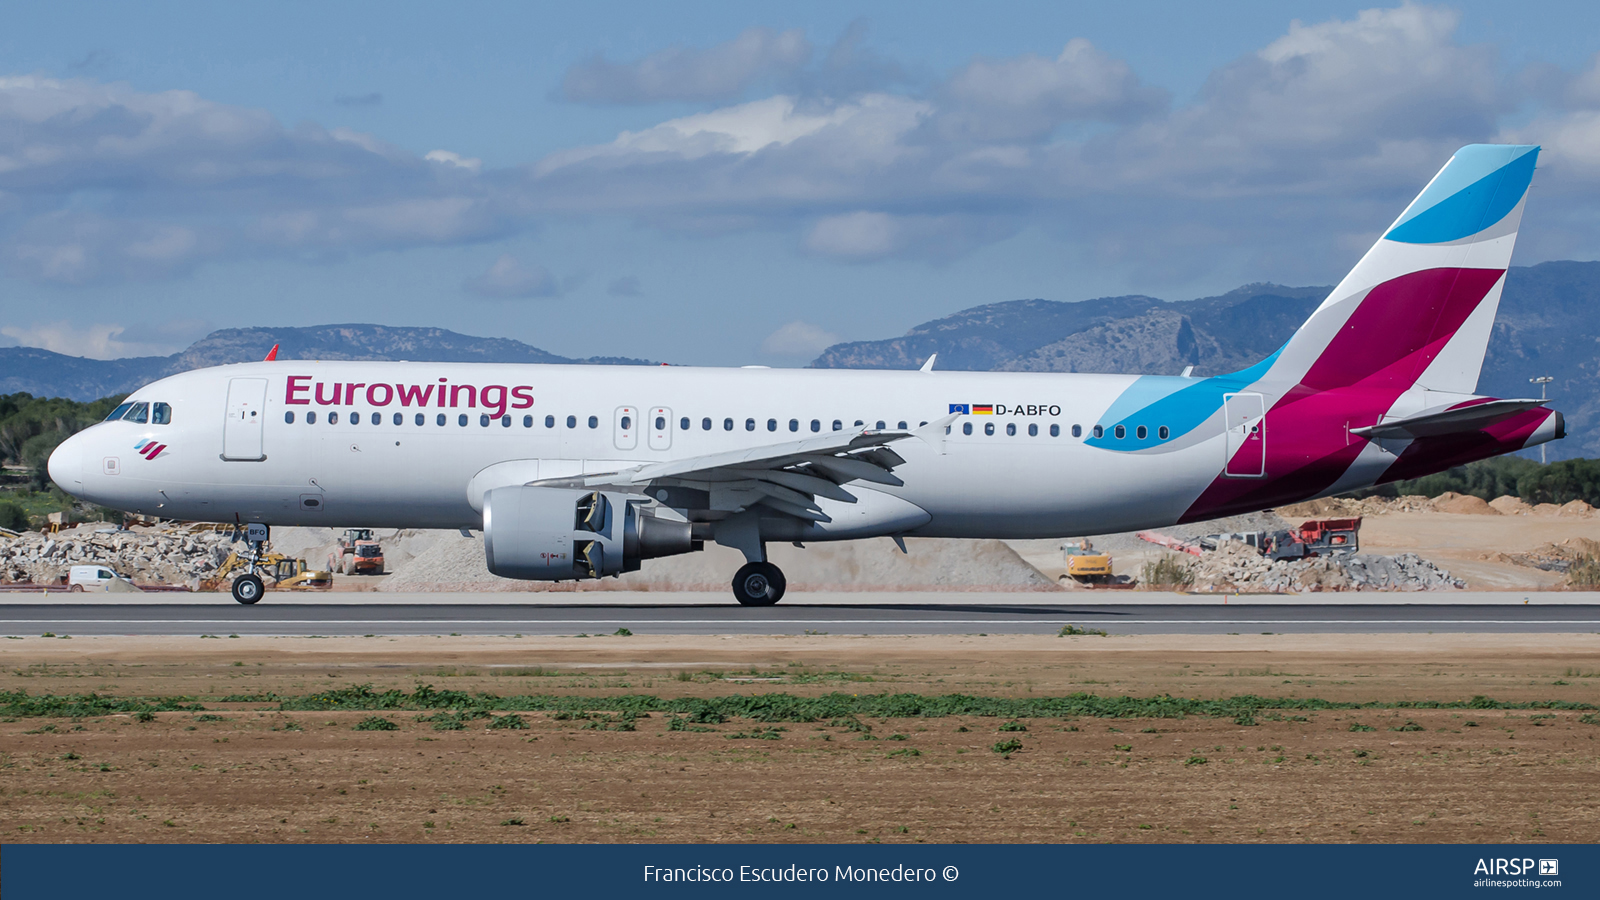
column 66, row 465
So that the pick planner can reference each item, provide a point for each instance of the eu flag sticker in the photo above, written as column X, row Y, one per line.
column 962, row 408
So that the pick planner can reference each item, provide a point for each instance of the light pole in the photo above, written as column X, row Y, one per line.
column 1541, row 381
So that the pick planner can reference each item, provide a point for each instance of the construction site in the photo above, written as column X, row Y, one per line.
column 1449, row 543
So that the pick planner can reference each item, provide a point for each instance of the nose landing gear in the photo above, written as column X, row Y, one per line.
column 758, row 584
column 248, row 588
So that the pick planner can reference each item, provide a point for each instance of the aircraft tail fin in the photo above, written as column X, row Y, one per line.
column 1417, row 310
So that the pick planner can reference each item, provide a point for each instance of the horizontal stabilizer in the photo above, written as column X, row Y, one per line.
column 1444, row 420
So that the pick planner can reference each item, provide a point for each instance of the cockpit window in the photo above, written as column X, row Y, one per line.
column 118, row 413
column 161, row 414
column 140, row 413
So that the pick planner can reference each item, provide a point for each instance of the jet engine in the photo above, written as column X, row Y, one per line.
column 560, row 534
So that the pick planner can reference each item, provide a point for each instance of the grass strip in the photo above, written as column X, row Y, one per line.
column 775, row 707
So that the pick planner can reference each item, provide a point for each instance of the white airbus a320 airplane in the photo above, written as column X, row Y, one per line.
column 579, row 472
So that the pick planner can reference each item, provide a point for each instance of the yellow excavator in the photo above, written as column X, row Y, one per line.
column 1086, row 565
column 286, row 574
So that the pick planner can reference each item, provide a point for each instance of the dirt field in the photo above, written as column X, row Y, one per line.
column 246, row 771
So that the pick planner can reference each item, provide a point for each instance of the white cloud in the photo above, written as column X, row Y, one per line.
column 96, row 341
column 185, row 180
column 799, row 339
column 450, row 158
column 683, row 73
column 509, row 278
column 1028, row 97
column 855, row 236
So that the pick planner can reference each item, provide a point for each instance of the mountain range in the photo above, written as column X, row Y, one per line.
column 47, row 374
column 1548, row 324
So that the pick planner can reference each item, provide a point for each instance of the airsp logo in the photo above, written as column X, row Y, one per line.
column 1501, row 866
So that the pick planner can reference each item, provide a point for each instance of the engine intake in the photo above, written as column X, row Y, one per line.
column 562, row 534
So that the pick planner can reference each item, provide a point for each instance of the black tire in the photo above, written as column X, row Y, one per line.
column 247, row 589
column 758, row 584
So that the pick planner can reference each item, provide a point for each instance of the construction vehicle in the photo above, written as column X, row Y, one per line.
column 286, row 573
column 360, row 553
column 1317, row 537
column 1085, row 564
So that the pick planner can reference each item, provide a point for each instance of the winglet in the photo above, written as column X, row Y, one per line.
column 928, row 366
column 272, row 354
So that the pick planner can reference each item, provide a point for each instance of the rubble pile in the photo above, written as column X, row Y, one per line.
column 1236, row 566
column 148, row 555
column 1448, row 502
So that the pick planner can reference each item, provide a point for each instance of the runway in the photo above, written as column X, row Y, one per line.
column 305, row 619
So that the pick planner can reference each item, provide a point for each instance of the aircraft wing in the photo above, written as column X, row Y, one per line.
column 1448, row 420
column 785, row 477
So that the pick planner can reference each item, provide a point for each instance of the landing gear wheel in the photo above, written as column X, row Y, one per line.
column 247, row 589
column 758, row 584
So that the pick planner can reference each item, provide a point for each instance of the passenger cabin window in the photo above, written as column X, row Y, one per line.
column 902, row 426
column 594, row 421
column 1162, row 432
column 1033, row 430
column 549, row 421
column 439, row 420
column 333, row 417
column 1055, row 431
column 399, row 418
column 749, row 424
column 288, row 418
column 772, row 424
column 311, row 418
column 705, row 424
column 461, row 420
column 661, row 423
column 161, row 414
column 966, row 427
column 727, row 424
column 1098, row 432
column 572, row 421
column 683, row 424
column 483, row 420
column 627, row 422
column 421, row 419
column 816, row 425
column 838, row 425
column 794, row 424
column 1141, row 432
column 1011, row 429
column 988, row 428
column 505, row 421
column 527, row 421
column 119, row 412
column 1121, row 432
column 1077, row 430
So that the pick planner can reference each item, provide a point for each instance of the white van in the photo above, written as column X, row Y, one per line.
column 97, row 578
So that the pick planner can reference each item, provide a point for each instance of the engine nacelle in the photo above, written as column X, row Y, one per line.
column 560, row 534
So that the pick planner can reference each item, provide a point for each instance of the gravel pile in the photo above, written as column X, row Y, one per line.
column 1234, row 566
column 154, row 556
column 455, row 563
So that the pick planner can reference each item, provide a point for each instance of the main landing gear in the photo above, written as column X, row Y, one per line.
column 757, row 584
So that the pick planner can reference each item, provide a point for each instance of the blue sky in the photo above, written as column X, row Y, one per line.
column 721, row 183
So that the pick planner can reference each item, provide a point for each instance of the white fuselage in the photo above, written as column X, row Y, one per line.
column 1011, row 483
